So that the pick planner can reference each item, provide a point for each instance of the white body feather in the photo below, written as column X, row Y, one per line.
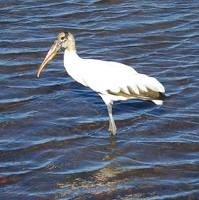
column 101, row 76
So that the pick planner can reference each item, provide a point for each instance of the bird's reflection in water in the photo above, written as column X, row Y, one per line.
column 98, row 179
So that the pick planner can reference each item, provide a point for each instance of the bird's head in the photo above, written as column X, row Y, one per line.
column 64, row 40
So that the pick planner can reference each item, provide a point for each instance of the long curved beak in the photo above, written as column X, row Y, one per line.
column 50, row 55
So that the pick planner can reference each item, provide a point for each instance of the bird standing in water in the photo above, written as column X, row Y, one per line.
column 111, row 80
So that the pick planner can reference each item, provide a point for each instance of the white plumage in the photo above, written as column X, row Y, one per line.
column 111, row 80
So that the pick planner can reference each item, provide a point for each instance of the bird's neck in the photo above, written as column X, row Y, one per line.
column 71, row 47
column 70, row 54
column 73, row 66
column 71, row 43
column 70, row 59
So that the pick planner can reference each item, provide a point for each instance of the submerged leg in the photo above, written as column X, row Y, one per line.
column 112, row 127
column 109, row 102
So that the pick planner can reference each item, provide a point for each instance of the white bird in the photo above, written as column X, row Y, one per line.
column 111, row 80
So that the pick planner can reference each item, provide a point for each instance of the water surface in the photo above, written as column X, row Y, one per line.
column 54, row 142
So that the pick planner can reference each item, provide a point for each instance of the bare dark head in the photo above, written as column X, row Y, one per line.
column 64, row 40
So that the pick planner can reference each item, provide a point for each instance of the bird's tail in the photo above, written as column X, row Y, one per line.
column 159, row 100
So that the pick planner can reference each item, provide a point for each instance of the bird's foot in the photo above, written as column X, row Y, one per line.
column 112, row 129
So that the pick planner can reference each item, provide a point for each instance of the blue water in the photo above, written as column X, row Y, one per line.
column 54, row 142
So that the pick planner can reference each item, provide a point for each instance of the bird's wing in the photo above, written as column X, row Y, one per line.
column 119, row 80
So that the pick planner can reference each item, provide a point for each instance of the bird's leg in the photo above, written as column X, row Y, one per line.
column 112, row 126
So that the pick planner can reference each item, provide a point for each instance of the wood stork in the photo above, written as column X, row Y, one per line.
column 111, row 80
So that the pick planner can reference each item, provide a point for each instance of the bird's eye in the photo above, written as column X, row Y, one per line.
column 62, row 38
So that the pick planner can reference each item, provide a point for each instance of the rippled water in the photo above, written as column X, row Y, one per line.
column 54, row 142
